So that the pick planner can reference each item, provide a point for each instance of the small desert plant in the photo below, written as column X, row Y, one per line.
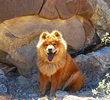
column 106, row 38
column 103, row 89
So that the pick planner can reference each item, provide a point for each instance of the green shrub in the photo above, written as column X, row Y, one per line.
column 103, row 89
column 106, row 38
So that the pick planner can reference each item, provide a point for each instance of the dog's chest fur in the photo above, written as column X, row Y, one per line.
column 49, row 69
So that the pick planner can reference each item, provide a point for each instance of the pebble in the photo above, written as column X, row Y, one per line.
column 35, row 78
column 72, row 97
column 43, row 98
column 23, row 82
column 32, row 95
column 61, row 93
column 3, row 83
column 2, row 73
column 3, row 89
column 4, row 98
column 3, row 79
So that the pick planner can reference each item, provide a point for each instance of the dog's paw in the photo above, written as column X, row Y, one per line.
column 40, row 94
column 52, row 94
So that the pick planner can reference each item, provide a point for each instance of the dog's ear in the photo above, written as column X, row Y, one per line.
column 57, row 34
column 43, row 35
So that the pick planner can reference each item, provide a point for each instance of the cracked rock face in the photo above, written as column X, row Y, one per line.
column 64, row 9
column 96, row 10
column 50, row 9
column 101, row 16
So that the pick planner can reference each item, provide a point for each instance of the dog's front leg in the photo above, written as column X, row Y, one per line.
column 56, row 80
column 43, row 83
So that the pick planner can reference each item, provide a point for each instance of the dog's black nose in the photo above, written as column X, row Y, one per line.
column 49, row 49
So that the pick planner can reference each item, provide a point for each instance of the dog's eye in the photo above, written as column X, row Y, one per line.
column 46, row 45
column 54, row 44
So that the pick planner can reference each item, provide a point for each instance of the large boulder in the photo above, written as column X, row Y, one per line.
column 14, row 8
column 101, row 16
column 66, row 9
column 94, row 65
column 18, row 37
column 50, row 9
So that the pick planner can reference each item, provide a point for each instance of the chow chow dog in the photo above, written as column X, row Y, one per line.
column 55, row 65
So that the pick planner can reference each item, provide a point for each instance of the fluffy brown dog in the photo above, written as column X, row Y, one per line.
column 55, row 65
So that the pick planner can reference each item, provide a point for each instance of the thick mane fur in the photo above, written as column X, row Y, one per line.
column 50, row 68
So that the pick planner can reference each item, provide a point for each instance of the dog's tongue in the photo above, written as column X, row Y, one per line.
column 50, row 56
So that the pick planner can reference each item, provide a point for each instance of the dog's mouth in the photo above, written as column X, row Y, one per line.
column 51, row 55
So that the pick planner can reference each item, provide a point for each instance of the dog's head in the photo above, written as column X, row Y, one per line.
column 51, row 45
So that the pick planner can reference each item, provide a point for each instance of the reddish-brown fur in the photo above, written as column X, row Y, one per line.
column 61, row 72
